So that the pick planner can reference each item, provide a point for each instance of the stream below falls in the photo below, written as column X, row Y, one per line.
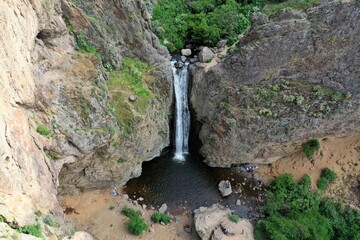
column 190, row 184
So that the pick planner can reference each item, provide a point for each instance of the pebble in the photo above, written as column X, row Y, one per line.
column 132, row 98
column 140, row 199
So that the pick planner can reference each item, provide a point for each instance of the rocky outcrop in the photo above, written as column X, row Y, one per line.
column 213, row 222
column 292, row 77
column 48, row 81
column 104, row 154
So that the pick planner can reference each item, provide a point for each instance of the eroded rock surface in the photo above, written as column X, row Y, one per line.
column 210, row 220
column 292, row 77
column 48, row 80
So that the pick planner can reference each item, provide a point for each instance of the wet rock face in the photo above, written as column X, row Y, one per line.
column 279, row 87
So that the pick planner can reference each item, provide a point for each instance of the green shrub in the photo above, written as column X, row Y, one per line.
column 328, row 174
column 120, row 160
column 348, row 95
column 345, row 221
column 137, row 225
column 310, row 146
column 34, row 230
column 2, row 218
column 318, row 91
column 337, row 96
column 234, row 218
column 160, row 217
column 293, row 212
column 266, row 112
column 83, row 45
column 51, row 222
column 38, row 213
column 200, row 22
column 323, row 183
column 129, row 212
column 43, row 130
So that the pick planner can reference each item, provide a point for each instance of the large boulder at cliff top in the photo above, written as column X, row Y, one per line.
column 209, row 219
column 206, row 54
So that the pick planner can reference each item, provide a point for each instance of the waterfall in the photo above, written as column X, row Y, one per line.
column 182, row 114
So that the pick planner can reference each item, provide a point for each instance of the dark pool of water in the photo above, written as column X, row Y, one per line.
column 190, row 184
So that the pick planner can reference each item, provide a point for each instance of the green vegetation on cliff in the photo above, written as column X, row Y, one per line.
column 293, row 211
column 202, row 22
column 273, row 6
column 130, row 80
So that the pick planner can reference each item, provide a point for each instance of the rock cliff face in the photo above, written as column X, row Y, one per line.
column 292, row 77
column 46, row 82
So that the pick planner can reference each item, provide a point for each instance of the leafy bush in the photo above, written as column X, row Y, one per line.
column 337, row 96
column 310, row 146
column 293, row 212
column 328, row 174
column 323, row 183
column 43, row 130
column 160, row 217
column 129, row 212
column 234, row 218
column 202, row 22
column 51, row 222
column 34, row 230
column 2, row 219
column 38, row 213
column 318, row 91
column 83, row 45
column 137, row 225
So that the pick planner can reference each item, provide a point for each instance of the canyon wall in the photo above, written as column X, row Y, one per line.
column 292, row 77
column 47, row 81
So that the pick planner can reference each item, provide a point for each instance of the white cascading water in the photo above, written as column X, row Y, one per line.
column 182, row 114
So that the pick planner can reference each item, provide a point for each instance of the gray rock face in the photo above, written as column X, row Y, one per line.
column 225, row 188
column 105, row 153
column 262, row 102
column 186, row 52
column 205, row 55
